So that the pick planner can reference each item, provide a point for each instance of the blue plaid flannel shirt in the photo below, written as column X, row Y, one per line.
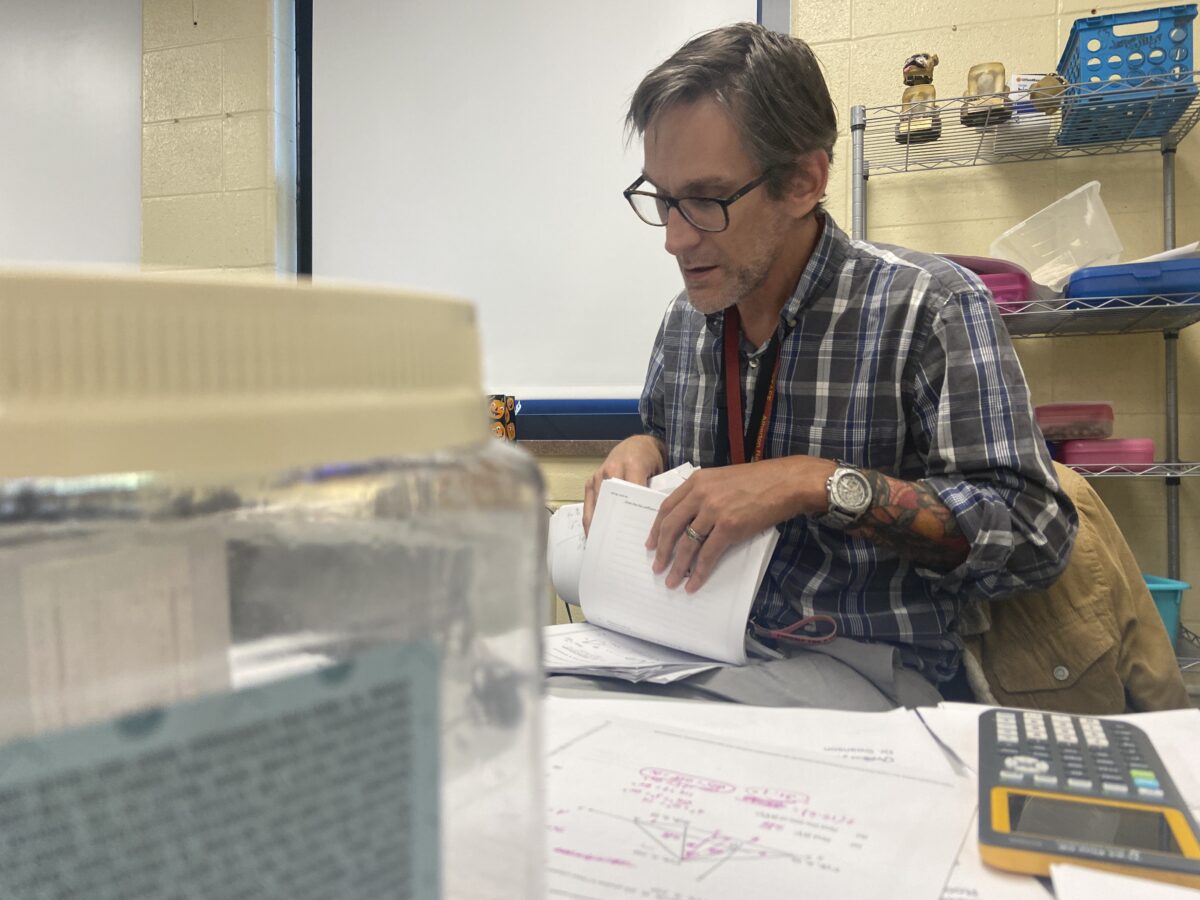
column 896, row 361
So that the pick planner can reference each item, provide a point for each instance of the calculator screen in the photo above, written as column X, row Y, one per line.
column 1091, row 822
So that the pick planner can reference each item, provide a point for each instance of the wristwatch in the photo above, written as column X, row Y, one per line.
column 849, row 495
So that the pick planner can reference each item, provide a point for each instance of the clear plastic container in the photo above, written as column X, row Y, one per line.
column 1074, row 421
column 272, row 597
column 1072, row 232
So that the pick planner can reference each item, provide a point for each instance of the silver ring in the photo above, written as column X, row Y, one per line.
column 695, row 535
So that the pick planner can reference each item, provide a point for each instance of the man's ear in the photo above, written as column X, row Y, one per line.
column 806, row 188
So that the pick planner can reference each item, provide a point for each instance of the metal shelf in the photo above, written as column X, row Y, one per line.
column 1123, row 116
column 1113, row 315
column 1143, row 470
column 1097, row 118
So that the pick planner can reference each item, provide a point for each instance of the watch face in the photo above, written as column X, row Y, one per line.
column 852, row 491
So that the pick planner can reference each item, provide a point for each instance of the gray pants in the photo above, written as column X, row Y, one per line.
column 843, row 674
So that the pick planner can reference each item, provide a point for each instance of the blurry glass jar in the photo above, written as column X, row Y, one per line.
column 243, row 511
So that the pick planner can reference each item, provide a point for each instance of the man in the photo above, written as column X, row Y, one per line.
column 879, row 420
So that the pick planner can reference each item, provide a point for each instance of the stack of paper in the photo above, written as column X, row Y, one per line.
column 639, row 629
column 585, row 649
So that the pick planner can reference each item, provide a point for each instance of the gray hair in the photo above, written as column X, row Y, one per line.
column 770, row 83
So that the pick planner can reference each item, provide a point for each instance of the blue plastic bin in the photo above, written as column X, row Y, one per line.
column 1176, row 278
column 1168, row 595
column 1103, row 56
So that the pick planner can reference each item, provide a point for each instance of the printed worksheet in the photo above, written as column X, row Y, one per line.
column 640, row 809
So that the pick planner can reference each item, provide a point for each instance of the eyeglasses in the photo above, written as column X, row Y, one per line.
column 704, row 213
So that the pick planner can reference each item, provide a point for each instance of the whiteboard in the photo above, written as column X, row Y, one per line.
column 71, row 154
column 479, row 150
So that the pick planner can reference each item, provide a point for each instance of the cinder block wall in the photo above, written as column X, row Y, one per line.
column 218, row 136
column 862, row 45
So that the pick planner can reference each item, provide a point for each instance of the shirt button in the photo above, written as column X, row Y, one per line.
column 754, row 363
column 791, row 323
column 1061, row 673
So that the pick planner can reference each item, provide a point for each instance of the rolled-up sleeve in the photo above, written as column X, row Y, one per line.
column 986, row 457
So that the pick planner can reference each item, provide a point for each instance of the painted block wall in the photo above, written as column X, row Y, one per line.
column 218, row 136
column 862, row 45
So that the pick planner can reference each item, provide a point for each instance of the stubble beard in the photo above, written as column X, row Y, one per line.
column 746, row 279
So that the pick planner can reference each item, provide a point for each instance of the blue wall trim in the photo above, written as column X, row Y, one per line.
column 577, row 420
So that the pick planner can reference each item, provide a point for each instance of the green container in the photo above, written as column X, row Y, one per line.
column 1167, row 594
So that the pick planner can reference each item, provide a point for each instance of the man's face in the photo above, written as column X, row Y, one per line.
column 693, row 150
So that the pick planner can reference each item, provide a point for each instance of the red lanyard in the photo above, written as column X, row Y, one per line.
column 733, row 394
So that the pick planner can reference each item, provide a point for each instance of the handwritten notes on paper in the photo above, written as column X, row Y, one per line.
column 638, row 807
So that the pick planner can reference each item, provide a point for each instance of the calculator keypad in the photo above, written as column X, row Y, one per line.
column 1080, row 754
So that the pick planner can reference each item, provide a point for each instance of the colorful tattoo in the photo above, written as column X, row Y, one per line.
column 908, row 517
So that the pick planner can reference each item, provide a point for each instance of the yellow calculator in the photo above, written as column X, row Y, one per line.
column 1063, row 788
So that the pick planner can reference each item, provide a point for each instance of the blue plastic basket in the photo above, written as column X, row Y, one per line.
column 1127, row 86
column 1168, row 595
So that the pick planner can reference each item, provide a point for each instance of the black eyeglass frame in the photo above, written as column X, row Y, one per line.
column 673, row 202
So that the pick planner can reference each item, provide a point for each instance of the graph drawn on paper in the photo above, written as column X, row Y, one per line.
column 646, row 810
column 682, row 843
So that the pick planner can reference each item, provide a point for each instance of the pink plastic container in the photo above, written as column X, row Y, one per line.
column 1093, row 456
column 1074, row 421
column 1010, row 285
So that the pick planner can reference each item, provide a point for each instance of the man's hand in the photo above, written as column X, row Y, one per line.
column 636, row 459
column 727, row 505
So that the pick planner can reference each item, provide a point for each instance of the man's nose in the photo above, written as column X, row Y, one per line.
column 682, row 235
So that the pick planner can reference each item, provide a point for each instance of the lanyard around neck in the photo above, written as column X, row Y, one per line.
column 733, row 395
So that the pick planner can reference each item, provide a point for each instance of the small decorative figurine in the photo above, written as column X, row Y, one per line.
column 918, row 68
column 502, row 410
column 919, row 121
column 986, row 102
column 1046, row 93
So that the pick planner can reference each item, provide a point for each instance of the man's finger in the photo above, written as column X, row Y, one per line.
column 676, row 497
column 705, row 561
column 688, row 546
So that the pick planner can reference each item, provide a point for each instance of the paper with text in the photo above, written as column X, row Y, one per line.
column 620, row 591
column 584, row 647
column 646, row 810
column 566, row 538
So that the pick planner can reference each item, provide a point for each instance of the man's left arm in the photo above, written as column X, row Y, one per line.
column 984, row 457
column 909, row 518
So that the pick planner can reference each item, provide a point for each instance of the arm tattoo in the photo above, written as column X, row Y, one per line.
column 908, row 517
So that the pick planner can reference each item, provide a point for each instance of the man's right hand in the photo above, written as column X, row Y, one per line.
column 636, row 459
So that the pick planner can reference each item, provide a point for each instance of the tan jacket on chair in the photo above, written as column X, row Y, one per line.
column 1093, row 643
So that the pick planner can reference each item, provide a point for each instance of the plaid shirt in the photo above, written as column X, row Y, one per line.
column 895, row 361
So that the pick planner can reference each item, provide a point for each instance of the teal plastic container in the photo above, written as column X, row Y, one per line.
column 1168, row 595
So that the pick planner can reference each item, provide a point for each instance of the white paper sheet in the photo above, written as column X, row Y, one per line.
column 566, row 539
column 648, row 810
column 1080, row 883
column 893, row 739
column 565, row 542
column 621, row 591
column 583, row 648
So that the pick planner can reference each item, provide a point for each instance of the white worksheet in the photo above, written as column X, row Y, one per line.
column 650, row 810
column 888, row 740
column 585, row 648
column 1081, row 883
